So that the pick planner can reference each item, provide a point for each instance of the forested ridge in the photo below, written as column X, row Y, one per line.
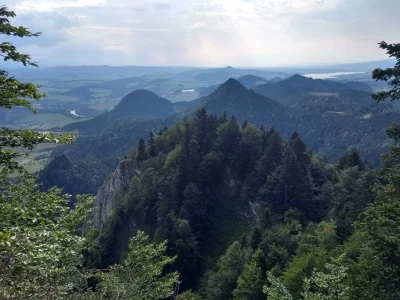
column 329, row 123
column 208, row 206
column 235, row 201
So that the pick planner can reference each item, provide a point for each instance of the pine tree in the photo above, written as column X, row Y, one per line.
column 141, row 150
column 193, row 160
column 250, row 282
column 255, row 238
column 196, row 208
column 272, row 157
column 389, row 74
column 351, row 158
column 222, row 281
column 228, row 136
column 223, row 118
column 182, row 243
column 152, row 145
column 204, row 130
column 301, row 151
column 247, row 151
column 287, row 186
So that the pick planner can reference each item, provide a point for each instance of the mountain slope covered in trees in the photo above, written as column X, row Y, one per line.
column 329, row 124
column 139, row 104
column 236, row 202
column 294, row 89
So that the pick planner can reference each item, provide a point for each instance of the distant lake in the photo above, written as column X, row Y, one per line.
column 330, row 75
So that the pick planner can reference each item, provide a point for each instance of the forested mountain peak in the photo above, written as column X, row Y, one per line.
column 359, row 86
column 315, row 85
column 297, row 89
column 234, row 99
column 232, row 84
column 138, row 104
column 250, row 81
column 144, row 103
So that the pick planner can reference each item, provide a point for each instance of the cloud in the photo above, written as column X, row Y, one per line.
column 208, row 32
column 162, row 5
column 40, row 5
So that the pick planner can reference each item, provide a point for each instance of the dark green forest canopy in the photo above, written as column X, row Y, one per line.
column 218, row 190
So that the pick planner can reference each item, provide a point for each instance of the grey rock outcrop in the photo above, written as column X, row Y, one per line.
column 115, row 185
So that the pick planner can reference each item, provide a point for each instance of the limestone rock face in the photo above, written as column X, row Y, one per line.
column 115, row 185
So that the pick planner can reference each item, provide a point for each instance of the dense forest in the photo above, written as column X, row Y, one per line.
column 210, row 206
column 236, row 202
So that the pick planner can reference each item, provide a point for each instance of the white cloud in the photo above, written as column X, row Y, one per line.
column 213, row 32
column 35, row 5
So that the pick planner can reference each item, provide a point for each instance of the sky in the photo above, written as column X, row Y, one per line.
column 206, row 33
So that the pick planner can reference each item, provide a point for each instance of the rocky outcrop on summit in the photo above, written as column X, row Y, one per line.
column 109, row 193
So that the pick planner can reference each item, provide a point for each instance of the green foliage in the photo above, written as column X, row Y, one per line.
column 276, row 290
column 328, row 285
column 351, row 158
column 255, row 238
column 391, row 74
column 376, row 272
column 222, row 281
column 15, row 93
column 200, row 194
column 141, row 150
column 140, row 275
column 250, row 282
column 39, row 246
column 347, row 197
column 288, row 185
column 182, row 243
column 189, row 295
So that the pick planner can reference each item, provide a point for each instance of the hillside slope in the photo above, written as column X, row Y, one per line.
column 138, row 104
column 297, row 88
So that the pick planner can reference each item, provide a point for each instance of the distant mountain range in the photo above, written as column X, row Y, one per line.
column 219, row 75
column 330, row 117
column 294, row 89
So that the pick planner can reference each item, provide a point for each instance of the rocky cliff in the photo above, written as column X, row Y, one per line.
column 115, row 185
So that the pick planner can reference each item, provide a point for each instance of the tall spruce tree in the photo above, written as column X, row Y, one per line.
column 287, row 186
column 301, row 151
column 141, row 154
column 250, row 282
column 272, row 157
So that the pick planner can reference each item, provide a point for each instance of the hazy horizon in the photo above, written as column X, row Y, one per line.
column 206, row 33
column 337, row 66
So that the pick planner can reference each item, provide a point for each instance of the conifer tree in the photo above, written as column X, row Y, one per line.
column 152, row 145
column 141, row 150
column 272, row 157
column 182, row 243
column 255, row 238
column 250, row 282
column 301, row 151
column 222, row 281
column 287, row 186
column 351, row 158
